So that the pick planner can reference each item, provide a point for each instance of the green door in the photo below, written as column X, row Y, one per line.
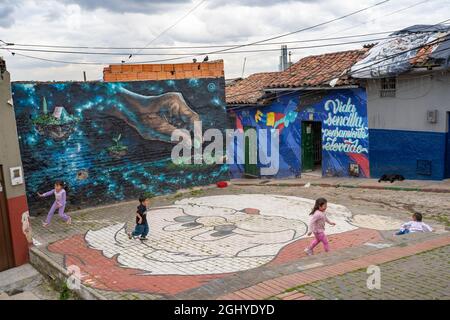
column 307, row 146
column 250, row 169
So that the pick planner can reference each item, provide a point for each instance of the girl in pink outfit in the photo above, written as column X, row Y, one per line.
column 60, row 203
column 317, row 226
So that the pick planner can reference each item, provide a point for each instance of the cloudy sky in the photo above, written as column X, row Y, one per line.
column 136, row 23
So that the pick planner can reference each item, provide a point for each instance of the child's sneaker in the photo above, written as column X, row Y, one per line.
column 308, row 251
column 143, row 238
column 130, row 236
column 45, row 224
column 69, row 220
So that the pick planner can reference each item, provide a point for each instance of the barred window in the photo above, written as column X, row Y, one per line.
column 388, row 87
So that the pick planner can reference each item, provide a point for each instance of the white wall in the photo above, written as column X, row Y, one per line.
column 416, row 93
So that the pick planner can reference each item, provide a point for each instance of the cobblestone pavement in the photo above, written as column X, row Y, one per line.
column 423, row 276
column 118, row 269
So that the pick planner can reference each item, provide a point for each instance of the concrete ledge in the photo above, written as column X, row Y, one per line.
column 56, row 273
column 340, row 185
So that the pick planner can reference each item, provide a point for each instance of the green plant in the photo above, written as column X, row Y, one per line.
column 64, row 293
column 118, row 146
column 149, row 195
column 196, row 192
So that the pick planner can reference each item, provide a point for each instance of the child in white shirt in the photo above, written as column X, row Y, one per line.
column 416, row 225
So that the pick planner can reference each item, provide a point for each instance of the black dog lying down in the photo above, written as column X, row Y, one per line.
column 391, row 177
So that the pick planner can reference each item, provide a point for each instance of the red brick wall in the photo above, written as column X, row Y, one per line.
column 140, row 72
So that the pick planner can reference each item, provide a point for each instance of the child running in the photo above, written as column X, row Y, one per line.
column 141, row 230
column 60, row 203
column 416, row 225
column 317, row 226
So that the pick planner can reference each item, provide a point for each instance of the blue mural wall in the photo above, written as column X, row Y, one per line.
column 111, row 141
column 345, row 134
column 413, row 154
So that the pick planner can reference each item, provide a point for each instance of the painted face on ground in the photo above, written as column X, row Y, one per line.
column 214, row 235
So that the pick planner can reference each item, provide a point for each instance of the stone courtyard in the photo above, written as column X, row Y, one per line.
column 246, row 241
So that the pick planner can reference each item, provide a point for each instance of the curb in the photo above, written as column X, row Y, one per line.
column 329, row 185
column 55, row 273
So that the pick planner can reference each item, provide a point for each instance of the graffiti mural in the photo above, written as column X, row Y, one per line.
column 344, row 130
column 111, row 141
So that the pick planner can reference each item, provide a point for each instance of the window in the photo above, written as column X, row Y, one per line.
column 388, row 87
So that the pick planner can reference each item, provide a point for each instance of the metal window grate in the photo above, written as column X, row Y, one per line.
column 388, row 87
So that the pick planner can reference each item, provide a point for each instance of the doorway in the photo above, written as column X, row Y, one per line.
column 250, row 169
column 311, row 146
column 6, row 252
column 447, row 149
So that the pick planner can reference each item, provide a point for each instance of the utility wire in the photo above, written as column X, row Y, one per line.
column 241, row 45
column 192, row 53
column 170, row 27
column 194, row 47
column 279, row 36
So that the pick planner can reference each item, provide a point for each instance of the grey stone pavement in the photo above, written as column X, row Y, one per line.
column 424, row 276
column 25, row 283
column 396, row 204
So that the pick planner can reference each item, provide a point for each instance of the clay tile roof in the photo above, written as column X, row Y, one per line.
column 319, row 70
column 250, row 89
column 423, row 55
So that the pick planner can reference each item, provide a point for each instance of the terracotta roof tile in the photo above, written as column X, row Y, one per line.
column 250, row 89
column 319, row 70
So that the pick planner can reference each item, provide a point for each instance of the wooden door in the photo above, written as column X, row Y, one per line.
column 307, row 146
column 6, row 253
column 250, row 169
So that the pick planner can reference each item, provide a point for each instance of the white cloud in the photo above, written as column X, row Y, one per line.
column 136, row 23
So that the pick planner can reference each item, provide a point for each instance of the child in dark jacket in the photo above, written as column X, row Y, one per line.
column 141, row 230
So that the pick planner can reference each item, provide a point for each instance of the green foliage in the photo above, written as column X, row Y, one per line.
column 50, row 120
column 118, row 146
column 64, row 293
column 47, row 120
column 196, row 192
column 149, row 195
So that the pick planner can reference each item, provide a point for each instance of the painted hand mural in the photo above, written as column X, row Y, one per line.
column 155, row 117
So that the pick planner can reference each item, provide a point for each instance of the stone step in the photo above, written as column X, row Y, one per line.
column 19, row 279
column 4, row 296
column 27, row 295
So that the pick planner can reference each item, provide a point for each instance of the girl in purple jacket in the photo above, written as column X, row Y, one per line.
column 60, row 203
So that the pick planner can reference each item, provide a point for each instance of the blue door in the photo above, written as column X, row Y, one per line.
column 447, row 148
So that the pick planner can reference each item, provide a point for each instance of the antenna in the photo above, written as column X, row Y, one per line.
column 243, row 67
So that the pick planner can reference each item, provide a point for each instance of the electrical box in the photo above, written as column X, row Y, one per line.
column 16, row 176
column 432, row 116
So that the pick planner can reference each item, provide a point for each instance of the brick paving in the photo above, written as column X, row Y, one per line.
column 424, row 276
column 297, row 280
column 353, row 247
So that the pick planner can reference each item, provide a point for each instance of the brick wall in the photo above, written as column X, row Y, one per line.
column 140, row 72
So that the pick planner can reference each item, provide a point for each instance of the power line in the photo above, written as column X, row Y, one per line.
column 104, row 63
column 279, row 36
column 193, row 47
column 171, row 26
column 193, row 53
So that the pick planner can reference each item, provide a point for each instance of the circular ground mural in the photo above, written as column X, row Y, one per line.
column 215, row 235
